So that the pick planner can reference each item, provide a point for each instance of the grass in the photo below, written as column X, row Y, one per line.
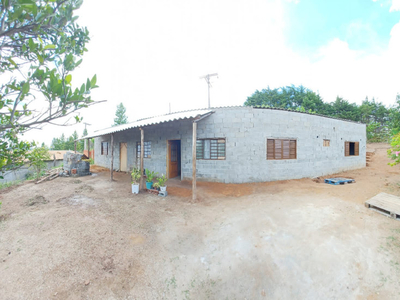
column 5, row 185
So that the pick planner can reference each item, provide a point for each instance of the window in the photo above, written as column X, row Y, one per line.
column 104, row 148
column 351, row 149
column 147, row 150
column 210, row 149
column 327, row 143
column 281, row 149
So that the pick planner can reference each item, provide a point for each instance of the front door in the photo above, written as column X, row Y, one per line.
column 174, row 158
column 123, row 157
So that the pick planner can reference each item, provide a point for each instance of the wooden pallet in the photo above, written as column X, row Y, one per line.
column 385, row 204
column 337, row 181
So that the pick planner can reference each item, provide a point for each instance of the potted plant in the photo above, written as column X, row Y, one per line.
column 135, row 180
column 149, row 180
column 156, row 186
column 161, row 181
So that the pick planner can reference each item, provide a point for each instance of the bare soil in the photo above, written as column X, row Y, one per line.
column 90, row 238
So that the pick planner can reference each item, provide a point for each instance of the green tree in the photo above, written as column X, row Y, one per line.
column 36, row 159
column 40, row 47
column 120, row 117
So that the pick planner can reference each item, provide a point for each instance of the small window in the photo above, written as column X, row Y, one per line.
column 213, row 149
column 281, row 149
column 104, row 148
column 327, row 143
column 351, row 149
column 147, row 150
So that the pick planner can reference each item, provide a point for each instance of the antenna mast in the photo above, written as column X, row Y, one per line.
column 207, row 78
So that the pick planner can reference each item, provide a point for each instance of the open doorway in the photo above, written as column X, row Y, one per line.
column 173, row 158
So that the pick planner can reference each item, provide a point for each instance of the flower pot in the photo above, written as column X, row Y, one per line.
column 135, row 189
column 149, row 185
column 163, row 188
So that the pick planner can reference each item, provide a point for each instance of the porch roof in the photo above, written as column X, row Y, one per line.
column 191, row 114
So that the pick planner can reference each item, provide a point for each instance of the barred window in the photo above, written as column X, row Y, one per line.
column 281, row 149
column 147, row 149
column 104, row 148
column 213, row 149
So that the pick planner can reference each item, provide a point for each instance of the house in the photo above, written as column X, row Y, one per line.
column 235, row 145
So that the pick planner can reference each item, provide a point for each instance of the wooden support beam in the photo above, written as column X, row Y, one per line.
column 194, row 161
column 112, row 157
column 141, row 157
column 87, row 146
column 75, row 146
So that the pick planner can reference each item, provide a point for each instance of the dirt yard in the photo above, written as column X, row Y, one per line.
column 90, row 238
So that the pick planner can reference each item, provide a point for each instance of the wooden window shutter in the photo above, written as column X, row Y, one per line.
column 270, row 149
column 346, row 148
column 278, row 149
column 293, row 154
column 285, row 149
column 357, row 148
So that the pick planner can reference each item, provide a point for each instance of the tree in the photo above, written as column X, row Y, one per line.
column 40, row 46
column 36, row 159
column 121, row 118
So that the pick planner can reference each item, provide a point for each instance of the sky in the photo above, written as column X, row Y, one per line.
column 149, row 54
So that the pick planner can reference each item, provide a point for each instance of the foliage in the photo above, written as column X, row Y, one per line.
column 394, row 152
column 4, row 185
column 40, row 47
column 377, row 133
column 63, row 143
column 136, row 175
column 36, row 159
column 120, row 117
column 156, row 186
column 150, row 175
column 162, row 180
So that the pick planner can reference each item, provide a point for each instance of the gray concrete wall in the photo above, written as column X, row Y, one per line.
column 246, row 131
column 23, row 172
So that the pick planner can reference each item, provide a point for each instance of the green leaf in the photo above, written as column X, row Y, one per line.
column 40, row 58
column 25, row 88
column 50, row 46
column 88, row 85
column 93, row 81
column 68, row 78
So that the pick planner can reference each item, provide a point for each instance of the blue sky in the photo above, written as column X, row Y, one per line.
column 364, row 25
column 149, row 54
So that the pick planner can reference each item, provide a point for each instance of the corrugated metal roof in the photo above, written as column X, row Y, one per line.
column 191, row 114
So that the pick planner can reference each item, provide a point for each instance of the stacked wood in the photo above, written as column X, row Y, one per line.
column 50, row 175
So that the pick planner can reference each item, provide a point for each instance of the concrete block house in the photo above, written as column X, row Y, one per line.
column 235, row 145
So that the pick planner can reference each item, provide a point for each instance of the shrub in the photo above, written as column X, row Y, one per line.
column 394, row 152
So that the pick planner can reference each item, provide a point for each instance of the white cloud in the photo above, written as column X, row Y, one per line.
column 395, row 5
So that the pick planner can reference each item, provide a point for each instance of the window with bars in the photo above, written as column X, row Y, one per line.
column 351, row 148
column 147, row 150
column 281, row 149
column 213, row 149
column 104, row 148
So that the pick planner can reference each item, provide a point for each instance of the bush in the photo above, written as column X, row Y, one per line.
column 36, row 159
column 394, row 152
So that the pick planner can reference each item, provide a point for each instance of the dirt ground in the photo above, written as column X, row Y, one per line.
column 89, row 238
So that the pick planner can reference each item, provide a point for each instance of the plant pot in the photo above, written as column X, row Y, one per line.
column 163, row 188
column 149, row 185
column 135, row 189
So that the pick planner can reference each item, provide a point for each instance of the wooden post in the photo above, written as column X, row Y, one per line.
column 87, row 147
column 75, row 146
column 141, row 156
column 194, row 161
column 112, row 156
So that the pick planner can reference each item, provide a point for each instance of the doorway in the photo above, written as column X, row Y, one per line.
column 123, row 157
column 173, row 158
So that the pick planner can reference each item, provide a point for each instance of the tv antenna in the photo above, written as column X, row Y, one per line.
column 207, row 78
